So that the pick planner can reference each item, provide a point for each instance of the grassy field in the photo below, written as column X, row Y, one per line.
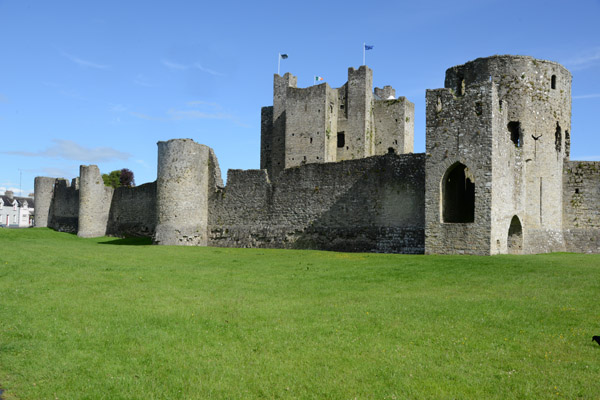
column 119, row 319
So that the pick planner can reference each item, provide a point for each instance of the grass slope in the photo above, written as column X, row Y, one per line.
column 117, row 318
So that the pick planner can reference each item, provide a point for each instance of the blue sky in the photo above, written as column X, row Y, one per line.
column 102, row 82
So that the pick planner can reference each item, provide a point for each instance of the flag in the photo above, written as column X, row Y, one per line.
column 283, row 56
column 367, row 47
column 318, row 78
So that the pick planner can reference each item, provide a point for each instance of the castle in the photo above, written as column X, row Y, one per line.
column 338, row 173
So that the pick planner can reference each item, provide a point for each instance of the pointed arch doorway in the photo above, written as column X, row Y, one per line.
column 458, row 195
column 515, row 236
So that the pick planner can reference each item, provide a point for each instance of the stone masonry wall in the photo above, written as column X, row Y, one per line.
column 394, row 125
column 496, row 177
column 64, row 210
column 507, row 185
column 459, row 130
column 310, row 119
column 133, row 211
column 266, row 138
column 581, row 206
column 281, row 85
column 373, row 204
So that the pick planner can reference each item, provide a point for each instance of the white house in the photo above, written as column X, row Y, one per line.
column 16, row 211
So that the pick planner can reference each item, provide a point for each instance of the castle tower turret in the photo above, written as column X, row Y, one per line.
column 358, row 128
column 94, row 202
column 44, row 192
column 182, row 193
column 273, row 122
column 310, row 125
column 517, row 138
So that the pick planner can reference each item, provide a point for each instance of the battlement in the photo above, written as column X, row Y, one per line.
column 385, row 93
column 500, row 67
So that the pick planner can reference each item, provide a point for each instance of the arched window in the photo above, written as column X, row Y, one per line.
column 458, row 195
column 553, row 82
column 515, row 236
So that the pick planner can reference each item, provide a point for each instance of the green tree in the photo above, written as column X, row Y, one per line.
column 112, row 179
column 118, row 178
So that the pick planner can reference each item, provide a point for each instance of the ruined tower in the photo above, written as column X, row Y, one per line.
column 496, row 139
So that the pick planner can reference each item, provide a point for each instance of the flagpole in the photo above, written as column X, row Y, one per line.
column 278, row 62
column 364, row 44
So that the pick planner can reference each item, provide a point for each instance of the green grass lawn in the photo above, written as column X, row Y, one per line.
column 119, row 319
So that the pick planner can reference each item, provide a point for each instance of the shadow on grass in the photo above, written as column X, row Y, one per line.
column 131, row 241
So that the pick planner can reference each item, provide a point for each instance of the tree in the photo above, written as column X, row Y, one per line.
column 113, row 179
column 126, row 178
column 117, row 178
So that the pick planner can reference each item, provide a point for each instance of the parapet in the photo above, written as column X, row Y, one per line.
column 385, row 93
column 500, row 67
column 287, row 80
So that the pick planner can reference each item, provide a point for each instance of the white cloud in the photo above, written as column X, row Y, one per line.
column 197, row 114
column 182, row 67
column 207, row 70
column 84, row 63
column 64, row 91
column 70, row 150
column 4, row 185
column 72, row 94
column 584, row 60
column 587, row 96
column 585, row 158
column 117, row 107
column 172, row 65
column 16, row 191
column 146, row 116
column 203, row 103
column 196, row 110
column 61, row 172
column 143, row 163
column 140, row 80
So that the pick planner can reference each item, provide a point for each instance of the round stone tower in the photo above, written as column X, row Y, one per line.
column 535, row 93
column 44, row 191
column 182, row 193
column 507, row 120
column 94, row 202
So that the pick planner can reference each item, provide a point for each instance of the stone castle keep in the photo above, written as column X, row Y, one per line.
column 338, row 173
